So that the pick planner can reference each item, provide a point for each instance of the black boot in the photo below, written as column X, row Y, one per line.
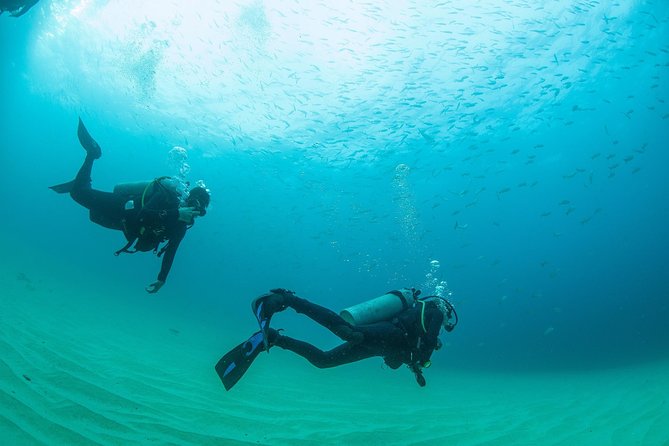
column 87, row 142
column 266, row 305
column 273, row 337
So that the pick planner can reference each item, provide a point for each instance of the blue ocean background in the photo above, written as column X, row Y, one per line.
column 515, row 150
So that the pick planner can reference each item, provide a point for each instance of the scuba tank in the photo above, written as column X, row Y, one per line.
column 380, row 308
column 139, row 192
column 131, row 188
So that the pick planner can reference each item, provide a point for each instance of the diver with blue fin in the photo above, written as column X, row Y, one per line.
column 153, row 215
column 398, row 326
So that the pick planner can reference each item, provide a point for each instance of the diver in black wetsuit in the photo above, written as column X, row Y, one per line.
column 148, row 217
column 16, row 8
column 408, row 338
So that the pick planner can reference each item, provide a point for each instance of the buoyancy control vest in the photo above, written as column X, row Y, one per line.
column 144, row 200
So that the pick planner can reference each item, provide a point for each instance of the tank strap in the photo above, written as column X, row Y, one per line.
column 162, row 250
column 422, row 316
column 126, row 248
column 148, row 186
column 399, row 294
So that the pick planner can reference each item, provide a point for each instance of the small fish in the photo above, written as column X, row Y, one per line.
column 503, row 191
column 564, row 202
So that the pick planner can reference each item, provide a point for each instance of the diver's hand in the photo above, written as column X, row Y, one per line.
column 187, row 215
column 155, row 286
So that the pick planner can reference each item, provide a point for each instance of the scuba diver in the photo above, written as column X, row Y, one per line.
column 16, row 8
column 398, row 326
column 150, row 214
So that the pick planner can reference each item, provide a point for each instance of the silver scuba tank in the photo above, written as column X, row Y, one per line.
column 131, row 188
column 379, row 308
column 142, row 189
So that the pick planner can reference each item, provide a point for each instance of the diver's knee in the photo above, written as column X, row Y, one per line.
column 349, row 334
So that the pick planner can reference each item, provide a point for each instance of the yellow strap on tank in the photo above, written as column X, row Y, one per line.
column 157, row 180
column 422, row 315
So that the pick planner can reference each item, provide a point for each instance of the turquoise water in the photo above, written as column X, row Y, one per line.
column 520, row 145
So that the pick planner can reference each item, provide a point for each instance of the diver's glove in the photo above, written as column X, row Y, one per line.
column 187, row 215
column 155, row 286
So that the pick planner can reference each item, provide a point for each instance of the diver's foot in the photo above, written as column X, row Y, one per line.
column 265, row 306
column 272, row 337
column 261, row 340
column 87, row 142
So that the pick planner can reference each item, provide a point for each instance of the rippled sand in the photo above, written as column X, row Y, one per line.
column 78, row 368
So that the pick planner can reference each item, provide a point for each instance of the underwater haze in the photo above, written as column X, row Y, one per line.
column 510, row 155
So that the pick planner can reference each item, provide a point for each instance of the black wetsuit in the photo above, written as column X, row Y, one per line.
column 108, row 209
column 16, row 7
column 408, row 339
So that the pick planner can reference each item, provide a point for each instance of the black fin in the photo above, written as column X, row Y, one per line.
column 87, row 142
column 236, row 362
column 64, row 188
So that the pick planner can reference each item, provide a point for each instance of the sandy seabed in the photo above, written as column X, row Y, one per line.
column 79, row 367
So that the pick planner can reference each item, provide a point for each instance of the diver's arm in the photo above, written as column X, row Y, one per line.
column 155, row 213
column 168, row 259
column 158, row 217
column 170, row 216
